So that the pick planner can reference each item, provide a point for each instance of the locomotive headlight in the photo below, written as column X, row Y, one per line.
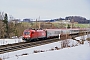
column 28, row 36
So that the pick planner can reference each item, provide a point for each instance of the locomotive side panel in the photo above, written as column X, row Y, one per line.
column 41, row 34
column 33, row 34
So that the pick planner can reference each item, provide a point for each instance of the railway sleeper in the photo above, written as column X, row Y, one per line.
column 38, row 44
column 1, row 52
column 28, row 45
column 33, row 45
column 22, row 47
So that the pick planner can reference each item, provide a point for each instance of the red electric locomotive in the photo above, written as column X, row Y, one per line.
column 32, row 34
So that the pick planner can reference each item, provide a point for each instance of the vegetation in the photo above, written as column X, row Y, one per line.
column 82, row 25
column 2, row 29
column 88, row 39
column 9, row 29
column 0, row 58
column 6, row 25
column 17, row 29
column 78, row 19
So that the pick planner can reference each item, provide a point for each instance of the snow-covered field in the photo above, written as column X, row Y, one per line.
column 49, row 52
column 9, row 41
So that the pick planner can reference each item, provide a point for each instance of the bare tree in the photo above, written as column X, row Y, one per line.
column 2, row 29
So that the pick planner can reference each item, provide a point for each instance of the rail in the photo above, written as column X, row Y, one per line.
column 24, row 45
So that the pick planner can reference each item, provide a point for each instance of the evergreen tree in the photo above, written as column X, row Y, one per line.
column 68, row 26
column 6, row 23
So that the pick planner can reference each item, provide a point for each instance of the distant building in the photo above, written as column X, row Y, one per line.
column 15, row 21
column 26, row 20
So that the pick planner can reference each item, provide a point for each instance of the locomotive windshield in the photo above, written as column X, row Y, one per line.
column 26, row 33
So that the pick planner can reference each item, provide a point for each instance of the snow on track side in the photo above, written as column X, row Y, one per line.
column 9, row 41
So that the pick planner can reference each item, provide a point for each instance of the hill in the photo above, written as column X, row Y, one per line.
column 78, row 19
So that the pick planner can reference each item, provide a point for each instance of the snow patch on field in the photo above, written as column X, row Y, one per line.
column 80, row 52
column 9, row 41
column 53, row 51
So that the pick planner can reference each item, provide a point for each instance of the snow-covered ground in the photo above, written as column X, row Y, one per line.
column 9, row 41
column 49, row 52
column 76, row 53
column 82, row 37
column 81, row 52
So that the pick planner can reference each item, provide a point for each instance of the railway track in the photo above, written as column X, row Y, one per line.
column 24, row 45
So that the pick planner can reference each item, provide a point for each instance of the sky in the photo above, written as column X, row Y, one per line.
column 45, row 9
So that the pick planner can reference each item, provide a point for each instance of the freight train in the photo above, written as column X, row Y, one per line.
column 33, row 34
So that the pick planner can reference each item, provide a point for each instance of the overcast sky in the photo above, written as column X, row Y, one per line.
column 46, row 9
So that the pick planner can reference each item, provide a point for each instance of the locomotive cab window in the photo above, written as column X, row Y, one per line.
column 26, row 33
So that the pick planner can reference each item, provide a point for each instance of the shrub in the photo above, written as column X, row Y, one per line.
column 51, row 49
column 88, row 39
column 0, row 58
column 57, row 48
column 25, row 54
column 36, row 51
